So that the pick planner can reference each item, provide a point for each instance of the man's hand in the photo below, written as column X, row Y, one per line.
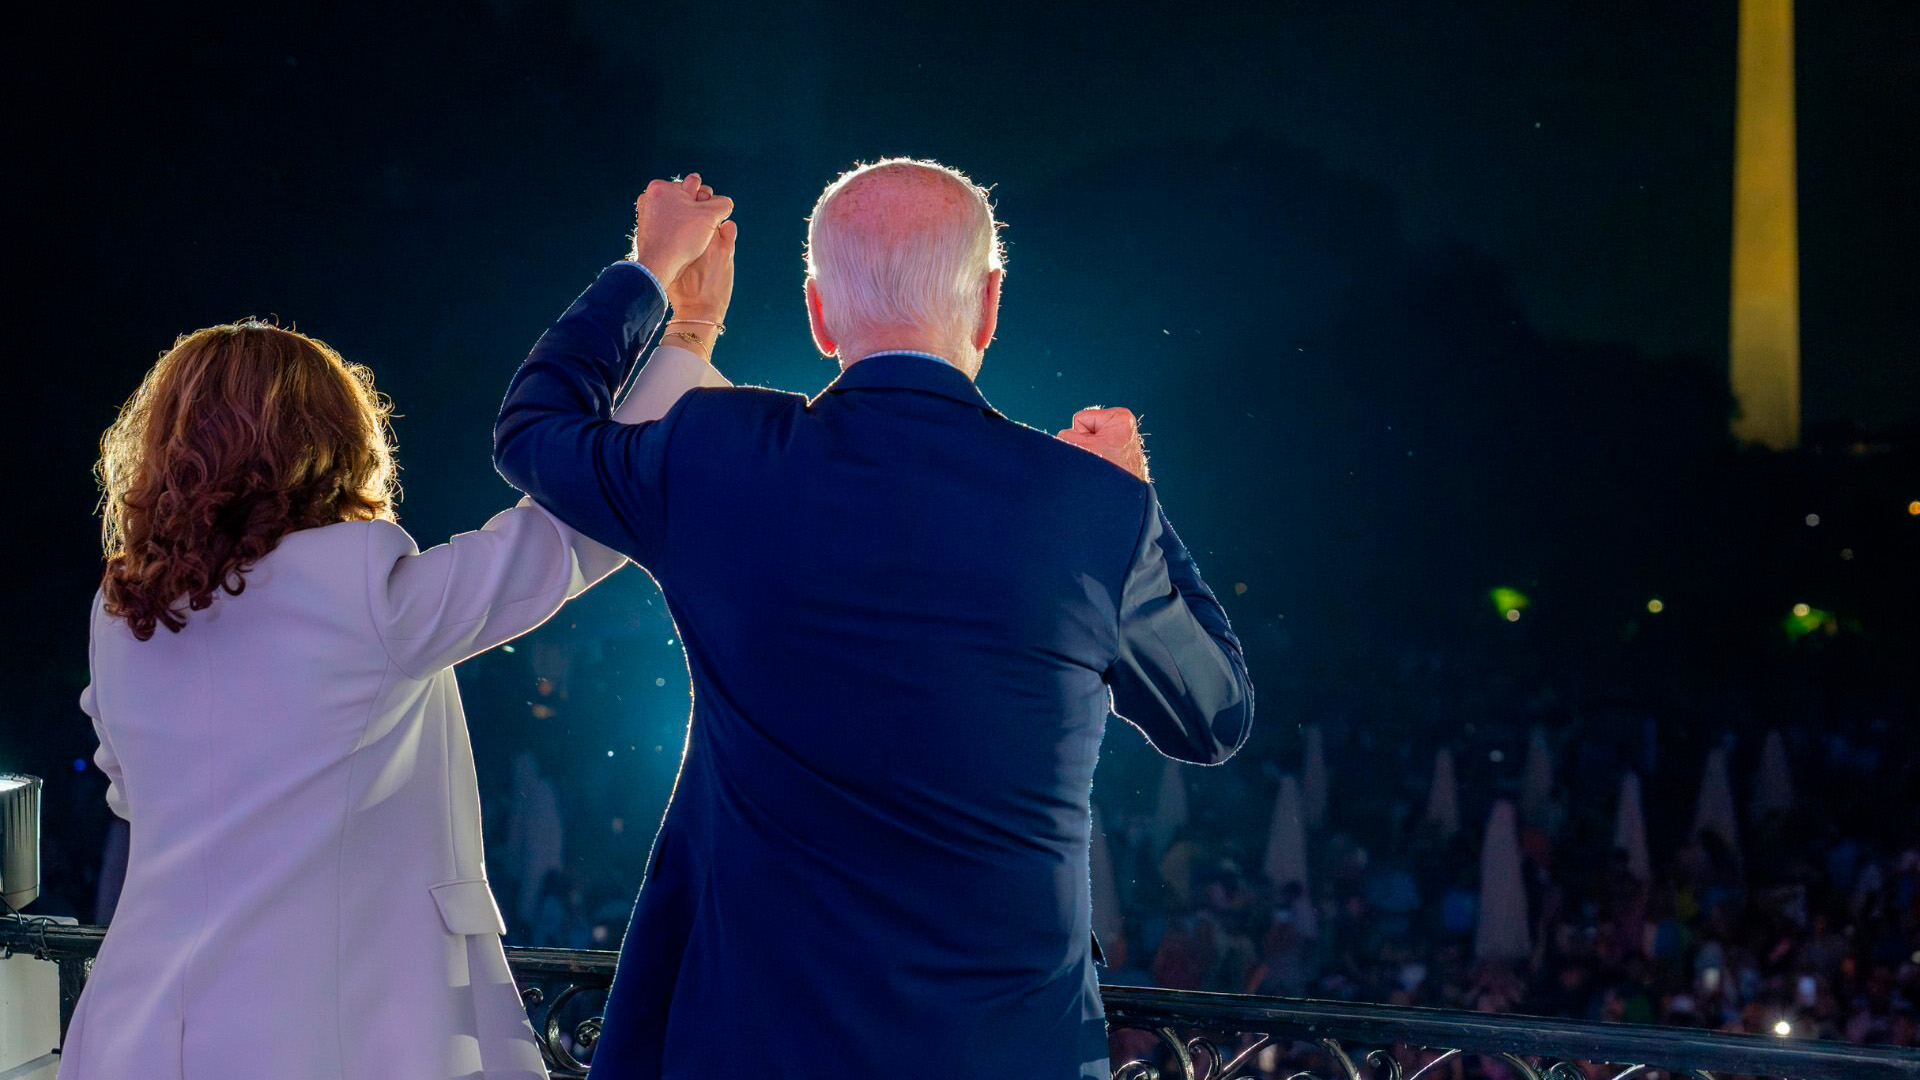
column 1114, row 434
column 673, row 225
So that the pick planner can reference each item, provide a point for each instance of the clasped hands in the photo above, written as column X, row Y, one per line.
column 682, row 234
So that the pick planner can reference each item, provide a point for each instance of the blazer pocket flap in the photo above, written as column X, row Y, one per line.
column 467, row 907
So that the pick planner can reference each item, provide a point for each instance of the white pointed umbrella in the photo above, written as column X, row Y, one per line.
column 1443, row 797
column 1286, row 857
column 1313, row 783
column 1502, row 933
column 1630, row 828
column 1773, row 791
column 536, row 833
column 1714, row 812
column 1170, row 809
column 1536, row 780
column 1106, row 891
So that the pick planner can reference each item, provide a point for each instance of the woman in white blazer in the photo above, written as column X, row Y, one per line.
column 273, row 692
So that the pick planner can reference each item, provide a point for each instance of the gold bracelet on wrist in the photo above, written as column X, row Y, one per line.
column 718, row 327
column 698, row 343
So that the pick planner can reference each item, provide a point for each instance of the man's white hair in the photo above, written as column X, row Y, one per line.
column 902, row 242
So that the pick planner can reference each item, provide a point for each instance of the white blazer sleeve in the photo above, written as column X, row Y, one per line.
column 104, row 757
column 670, row 372
column 437, row 607
column 434, row 608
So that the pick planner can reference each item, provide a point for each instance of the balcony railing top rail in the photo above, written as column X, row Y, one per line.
column 1199, row 1036
column 1684, row 1050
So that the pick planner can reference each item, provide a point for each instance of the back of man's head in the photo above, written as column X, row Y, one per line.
column 902, row 244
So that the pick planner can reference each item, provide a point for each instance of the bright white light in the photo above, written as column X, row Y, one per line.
column 1513, row 614
column 8, row 783
column 1782, row 1028
column 1802, row 610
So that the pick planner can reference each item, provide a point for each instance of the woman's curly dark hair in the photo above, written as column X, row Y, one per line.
column 240, row 434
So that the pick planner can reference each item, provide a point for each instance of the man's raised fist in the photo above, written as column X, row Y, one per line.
column 1114, row 434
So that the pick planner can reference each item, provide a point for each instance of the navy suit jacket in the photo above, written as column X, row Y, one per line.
column 905, row 617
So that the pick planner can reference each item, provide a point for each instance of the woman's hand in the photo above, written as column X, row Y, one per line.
column 705, row 288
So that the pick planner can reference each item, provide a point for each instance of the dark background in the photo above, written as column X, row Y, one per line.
column 1416, row 298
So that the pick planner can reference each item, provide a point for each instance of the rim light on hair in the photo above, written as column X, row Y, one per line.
column 240, row 434
column 927, row 270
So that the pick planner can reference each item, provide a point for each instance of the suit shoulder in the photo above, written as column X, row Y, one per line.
column 381, row 534
column 745, row 398
column 377, row 541
column 1083, row 468
column 733, row 407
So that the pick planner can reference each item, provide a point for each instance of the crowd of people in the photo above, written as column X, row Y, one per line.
column 1805, row 923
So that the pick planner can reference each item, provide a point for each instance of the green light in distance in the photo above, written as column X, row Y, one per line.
column 1509, row 602
column 1806, row 619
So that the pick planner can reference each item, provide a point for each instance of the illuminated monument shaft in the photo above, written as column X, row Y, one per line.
column 1764, row 329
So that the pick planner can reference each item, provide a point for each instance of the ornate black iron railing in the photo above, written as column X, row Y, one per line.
column 1182, row 1035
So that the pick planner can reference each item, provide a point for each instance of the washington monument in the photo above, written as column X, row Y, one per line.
column 1764, row 324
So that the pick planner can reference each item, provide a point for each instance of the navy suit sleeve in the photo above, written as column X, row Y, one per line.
column 556, row 439
column 1180, row 676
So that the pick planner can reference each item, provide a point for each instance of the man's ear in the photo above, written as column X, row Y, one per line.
column 817, row 321
column 989, row 311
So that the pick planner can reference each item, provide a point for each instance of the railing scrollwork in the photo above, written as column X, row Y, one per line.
column 554, row 983
column 1197, row 1036
column 1186, row 1053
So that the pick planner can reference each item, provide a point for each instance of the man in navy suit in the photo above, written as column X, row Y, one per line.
column 906, row 618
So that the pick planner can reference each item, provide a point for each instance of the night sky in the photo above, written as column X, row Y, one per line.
column 1205, row 206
